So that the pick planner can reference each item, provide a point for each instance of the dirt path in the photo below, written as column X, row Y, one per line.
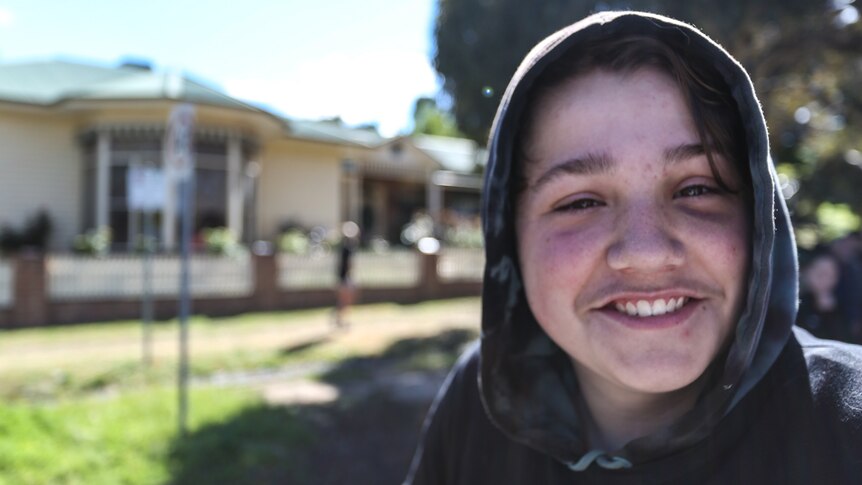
column 373, row 328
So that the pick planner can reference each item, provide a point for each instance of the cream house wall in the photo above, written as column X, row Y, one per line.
column 406, row 163
column 41, row 164
column 299, row 181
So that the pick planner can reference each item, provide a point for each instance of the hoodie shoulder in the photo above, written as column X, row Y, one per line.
column 460, row 445
column 835, row 375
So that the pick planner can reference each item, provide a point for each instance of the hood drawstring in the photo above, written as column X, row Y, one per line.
column 601, row 459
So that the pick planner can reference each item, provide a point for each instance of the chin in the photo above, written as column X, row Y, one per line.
column 660, row 376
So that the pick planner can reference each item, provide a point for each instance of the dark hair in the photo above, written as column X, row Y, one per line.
column 713, row 110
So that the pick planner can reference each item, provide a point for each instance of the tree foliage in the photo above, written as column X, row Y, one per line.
column 430, row 119
column 804, row 57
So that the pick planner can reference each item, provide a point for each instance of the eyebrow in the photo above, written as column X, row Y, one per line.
column 598, row 163
column 589, row 164
column 683, row 152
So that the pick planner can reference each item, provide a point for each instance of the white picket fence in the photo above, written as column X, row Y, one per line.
column 395, row 268
column 73, row 277
column 460, row 264
column 306, row 272
column 7, row 271
column 391, row 269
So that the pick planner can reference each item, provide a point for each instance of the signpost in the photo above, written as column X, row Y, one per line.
column 180, row 160
column 146, row 193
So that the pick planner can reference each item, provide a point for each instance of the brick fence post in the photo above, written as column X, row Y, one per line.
column 30, row 307
column 265, row 281
column 429, row 281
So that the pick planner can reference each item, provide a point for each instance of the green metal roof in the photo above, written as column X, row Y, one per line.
column 48, row 82
column 334, row 131
column 52, row 82
column 456, row 154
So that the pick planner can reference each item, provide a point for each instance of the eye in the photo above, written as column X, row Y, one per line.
column 578, row 205
column 695, row 191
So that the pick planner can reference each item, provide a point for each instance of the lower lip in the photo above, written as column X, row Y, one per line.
column 656, row 322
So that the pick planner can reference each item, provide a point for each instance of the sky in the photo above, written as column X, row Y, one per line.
column 363, row 60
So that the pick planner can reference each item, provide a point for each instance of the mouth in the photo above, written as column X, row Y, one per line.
column 643, row 311
column 649, row 307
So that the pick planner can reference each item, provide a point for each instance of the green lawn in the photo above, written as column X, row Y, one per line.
column 132, row 438
column 78, row 407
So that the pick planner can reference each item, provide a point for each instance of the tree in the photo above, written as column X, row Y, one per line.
column 479, row 46
column 804, row 57
column 429, row 119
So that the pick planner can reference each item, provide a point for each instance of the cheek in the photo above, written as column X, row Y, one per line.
column 559, row 258
column 731, row 253
column 725, row 241
column 738, row 250
column 725, row 252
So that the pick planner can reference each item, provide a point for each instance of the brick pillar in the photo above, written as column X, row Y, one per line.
column 265, row 281
column 429, row 281
column 30, row 307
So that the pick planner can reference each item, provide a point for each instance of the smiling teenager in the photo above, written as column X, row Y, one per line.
column 640, row 286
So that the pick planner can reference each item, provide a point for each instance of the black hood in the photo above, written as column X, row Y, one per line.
column 527, row 383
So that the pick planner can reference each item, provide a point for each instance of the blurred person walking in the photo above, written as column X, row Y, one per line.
column 346, row 288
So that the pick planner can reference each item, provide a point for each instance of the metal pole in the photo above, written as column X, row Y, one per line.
column 147, row 306
column 187, row 188
column 179, row 156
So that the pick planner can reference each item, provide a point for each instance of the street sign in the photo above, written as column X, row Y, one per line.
column 146, row 188
column 179, row 142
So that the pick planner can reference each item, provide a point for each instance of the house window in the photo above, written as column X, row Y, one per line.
column 128, row 148
column 145, row 147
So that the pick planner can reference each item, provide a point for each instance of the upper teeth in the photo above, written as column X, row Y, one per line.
column 644, row 308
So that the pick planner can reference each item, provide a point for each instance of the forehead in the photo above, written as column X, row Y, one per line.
column 603, row 112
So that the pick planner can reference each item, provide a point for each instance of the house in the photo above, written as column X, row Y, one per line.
column 71, row 132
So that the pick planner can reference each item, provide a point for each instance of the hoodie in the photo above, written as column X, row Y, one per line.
column 780, row 406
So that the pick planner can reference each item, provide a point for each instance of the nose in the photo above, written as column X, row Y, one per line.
column 644, row 242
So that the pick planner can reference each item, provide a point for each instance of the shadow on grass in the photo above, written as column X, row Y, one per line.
column 413, row 354
column 295, row 349
column 366, row 436
column 257, row 446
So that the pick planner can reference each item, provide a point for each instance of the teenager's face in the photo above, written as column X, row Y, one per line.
column 634, row 259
